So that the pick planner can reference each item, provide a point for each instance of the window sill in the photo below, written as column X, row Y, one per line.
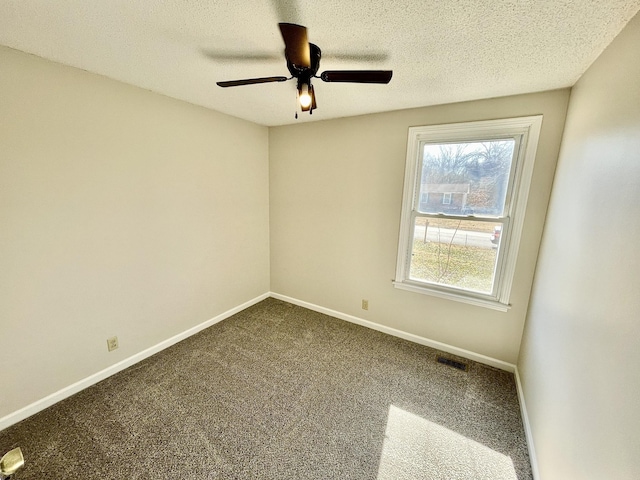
column 457, row 297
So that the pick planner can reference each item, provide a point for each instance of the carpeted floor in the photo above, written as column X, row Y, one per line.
column 281, row 392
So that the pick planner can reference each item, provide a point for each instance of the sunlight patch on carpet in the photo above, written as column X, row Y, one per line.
column 417, row 448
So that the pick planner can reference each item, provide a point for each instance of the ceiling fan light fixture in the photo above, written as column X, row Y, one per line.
column 304, row 97
column 312, row 92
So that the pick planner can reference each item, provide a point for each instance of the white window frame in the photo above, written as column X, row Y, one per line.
column 446, row 199
column 526, row 131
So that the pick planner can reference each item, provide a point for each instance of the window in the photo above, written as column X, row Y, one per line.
column 465, row 247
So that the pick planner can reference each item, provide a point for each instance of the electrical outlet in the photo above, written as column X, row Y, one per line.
column 112, row 343
column 365, row 304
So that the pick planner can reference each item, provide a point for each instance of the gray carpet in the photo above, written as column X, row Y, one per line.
column 281, row 392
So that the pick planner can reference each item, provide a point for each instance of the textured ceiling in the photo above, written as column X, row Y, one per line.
column 440, row 51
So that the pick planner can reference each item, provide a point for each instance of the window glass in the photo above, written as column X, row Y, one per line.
column 469, row 178
column 455, row 252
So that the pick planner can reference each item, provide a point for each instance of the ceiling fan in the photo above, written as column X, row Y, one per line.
column 303, row 62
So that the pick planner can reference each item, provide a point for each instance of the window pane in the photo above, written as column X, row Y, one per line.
column 466, row 178
column 455, row 253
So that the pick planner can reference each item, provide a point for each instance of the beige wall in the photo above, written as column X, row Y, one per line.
column 581, row 348
column 335, row 201
column 122, row 212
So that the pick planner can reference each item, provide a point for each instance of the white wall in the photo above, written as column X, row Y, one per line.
column 335, row 201
column 122, row 212
column 581, row 348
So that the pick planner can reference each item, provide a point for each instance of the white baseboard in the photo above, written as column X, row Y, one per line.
column 527, row 428
column 477, row 357
column 49, row 400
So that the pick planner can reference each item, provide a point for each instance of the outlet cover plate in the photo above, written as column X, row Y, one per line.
column 112, row 343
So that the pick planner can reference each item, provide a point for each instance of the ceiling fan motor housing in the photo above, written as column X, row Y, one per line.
column 302, row 73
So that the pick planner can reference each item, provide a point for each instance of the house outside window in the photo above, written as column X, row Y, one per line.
column 465, row 192
column 444, row 197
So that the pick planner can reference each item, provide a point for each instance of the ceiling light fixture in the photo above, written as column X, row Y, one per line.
column 304, row 97
column 303, row 62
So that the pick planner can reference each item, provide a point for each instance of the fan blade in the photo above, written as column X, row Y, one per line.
column 357, row 76
column 229, row 55
column 355, row 56
column 251, row 81
column 296, row 45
